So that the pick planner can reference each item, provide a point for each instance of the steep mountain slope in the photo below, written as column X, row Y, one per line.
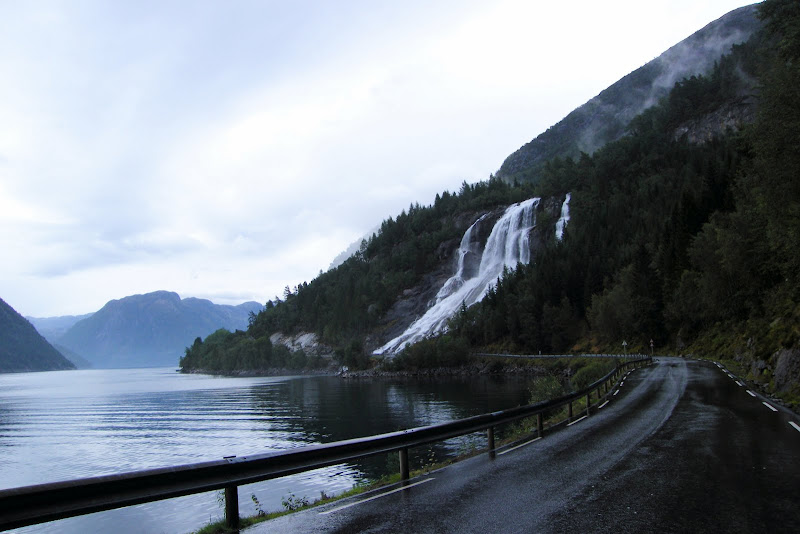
column 22, row 348
column 151, row 329
column 606, row 117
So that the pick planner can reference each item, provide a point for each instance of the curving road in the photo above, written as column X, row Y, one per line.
column 682, row 447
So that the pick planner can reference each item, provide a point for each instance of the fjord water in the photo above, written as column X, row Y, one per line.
column 73, row 424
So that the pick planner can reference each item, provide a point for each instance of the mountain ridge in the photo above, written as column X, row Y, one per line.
column 606, row 117
column 52, row 328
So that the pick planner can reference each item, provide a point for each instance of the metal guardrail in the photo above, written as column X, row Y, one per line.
column 544, row 356
column 41, row 503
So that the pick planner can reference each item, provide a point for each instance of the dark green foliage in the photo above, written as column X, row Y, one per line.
column 545, row 387
column 667, row 237
column 745, row 263
column 22, row 348
column 591, row 373
column 225, row 351
column 353, row 355
column 441, row 351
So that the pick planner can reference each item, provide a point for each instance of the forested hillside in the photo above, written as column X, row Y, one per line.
column 685, row 231
column 693, row 245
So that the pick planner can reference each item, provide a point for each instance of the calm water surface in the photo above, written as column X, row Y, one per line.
column 72, row 424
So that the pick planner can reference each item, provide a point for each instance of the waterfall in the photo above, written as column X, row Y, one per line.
column 564, row 219
column 508, row 245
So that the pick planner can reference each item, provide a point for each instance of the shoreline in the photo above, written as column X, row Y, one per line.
column 469, row 370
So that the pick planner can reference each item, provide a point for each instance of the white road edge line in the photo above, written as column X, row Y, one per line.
column 578, row 420
column 751, row 393
column 795, row 425
column 771, row 407
column 518, row 446
column 606, row 402
column 375, row 497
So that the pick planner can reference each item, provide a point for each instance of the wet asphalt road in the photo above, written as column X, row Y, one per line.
column 682, row 447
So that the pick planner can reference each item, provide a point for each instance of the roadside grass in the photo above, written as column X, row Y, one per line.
column 219, row 527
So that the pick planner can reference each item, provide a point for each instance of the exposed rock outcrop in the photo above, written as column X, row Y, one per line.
column 787, row 370
column 305, row 341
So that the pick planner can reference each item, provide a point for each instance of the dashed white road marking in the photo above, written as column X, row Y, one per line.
column 795, row 425
column 739, row 384
column 578, row 420
column 771, row 407
column 622, row 383
column 615, row 393
column 375, row 497
column 606, row 402
column 751, row 393
column 518, row 446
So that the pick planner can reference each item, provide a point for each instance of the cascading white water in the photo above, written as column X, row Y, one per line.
column 564, row 219
column 508, row 245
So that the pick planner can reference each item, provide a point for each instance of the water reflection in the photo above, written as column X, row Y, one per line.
column 64, row 425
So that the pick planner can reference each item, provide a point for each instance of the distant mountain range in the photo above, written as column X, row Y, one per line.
column 53, row 328
column 150, row 330
column 22, row 348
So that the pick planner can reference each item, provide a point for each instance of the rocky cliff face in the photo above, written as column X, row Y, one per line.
column 306, row 341
column 729, row 117
column 606, row 117
column 787, row 371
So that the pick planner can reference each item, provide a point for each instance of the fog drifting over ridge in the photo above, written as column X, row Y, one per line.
column 225, row 153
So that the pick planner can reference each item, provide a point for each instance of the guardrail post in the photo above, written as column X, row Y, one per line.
column 490, row 438
column 539, row 425
column 403, row 463
column 569, row 412
column 232, row 507
column 588, row 402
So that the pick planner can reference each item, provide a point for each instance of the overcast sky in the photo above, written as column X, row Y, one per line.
column 226, row 149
